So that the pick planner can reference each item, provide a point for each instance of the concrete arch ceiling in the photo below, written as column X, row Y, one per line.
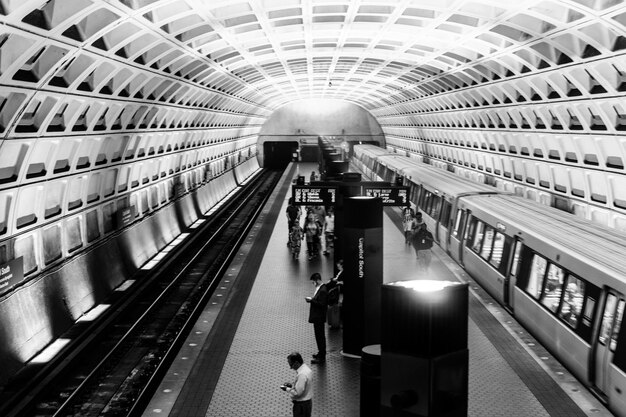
column 527, row 92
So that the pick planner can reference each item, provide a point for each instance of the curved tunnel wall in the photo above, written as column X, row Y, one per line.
column 42, row 307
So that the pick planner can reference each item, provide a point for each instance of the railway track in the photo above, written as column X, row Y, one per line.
column 116, row 371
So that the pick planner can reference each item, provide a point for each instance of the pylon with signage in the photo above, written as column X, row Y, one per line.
column 363, row 272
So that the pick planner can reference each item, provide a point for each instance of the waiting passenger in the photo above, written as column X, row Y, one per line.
column 408, row 214
column 293, row 216
column 301, row 390
column 312, row 232
column 313, row 177
column 295, row 239
column 422, row 242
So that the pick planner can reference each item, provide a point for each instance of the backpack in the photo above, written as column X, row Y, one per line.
column 333, row 296
column 428, row 240
column 292, row 212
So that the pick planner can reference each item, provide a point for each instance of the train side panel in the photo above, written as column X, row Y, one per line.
column 486, row 276
column 617, row 395
column 552, row 333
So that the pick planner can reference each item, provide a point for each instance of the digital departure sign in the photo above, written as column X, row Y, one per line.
column 306, row 195
column 391, row 196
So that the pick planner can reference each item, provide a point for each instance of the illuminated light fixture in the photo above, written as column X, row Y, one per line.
column 197, row 223
column 51, row 351
column 159, row 256
column 163, row 252
column 94, row 313
column 222, row 201
column 424, row 285
column 125, row 285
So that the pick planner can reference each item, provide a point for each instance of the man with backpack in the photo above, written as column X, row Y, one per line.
column 422, row 241
column 293, row 216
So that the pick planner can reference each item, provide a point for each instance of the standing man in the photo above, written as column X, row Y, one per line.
column 317, row 316
column 422, row 242
column 293, row 216
column 301, row 390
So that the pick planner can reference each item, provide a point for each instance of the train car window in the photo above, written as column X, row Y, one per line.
column 478, row 236
column 585, row 322
column 573, row 298
column 412, row 193
column 606, row 328
column 380, row 171
column 618, row 325
column 516, row 258
column 487, row 243
column 458, row 223
column 422, row 198
column 425, row 201
column 535, row 278
column 553, row 288
column 436, row 206
column 619, row 355
column 469, row 231
column 498, row 250
column 445, row 213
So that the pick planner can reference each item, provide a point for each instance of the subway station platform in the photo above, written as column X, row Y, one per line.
column 235, row 358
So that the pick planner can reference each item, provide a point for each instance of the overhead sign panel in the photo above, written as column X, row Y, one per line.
column 391, row 196
column 306, row 195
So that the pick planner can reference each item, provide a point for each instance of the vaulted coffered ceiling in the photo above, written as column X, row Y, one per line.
column 100, row 100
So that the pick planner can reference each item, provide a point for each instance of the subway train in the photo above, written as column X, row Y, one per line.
column 561, row 276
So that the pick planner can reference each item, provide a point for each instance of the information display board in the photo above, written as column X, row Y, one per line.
column 391, row 196
column 306, row 195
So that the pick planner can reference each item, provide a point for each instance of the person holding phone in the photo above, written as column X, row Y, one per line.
column 301, row 390
column 317, row 316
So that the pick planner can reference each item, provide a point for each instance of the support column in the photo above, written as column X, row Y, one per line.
column 363, row 272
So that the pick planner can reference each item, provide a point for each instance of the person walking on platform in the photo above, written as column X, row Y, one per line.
column 295, row 239
column 293, row 216
column 301, row 390
column 313, row 177
column 408, row 216
column 320, row 217
column 422, row 242
column 317, row 316
column 312, row 232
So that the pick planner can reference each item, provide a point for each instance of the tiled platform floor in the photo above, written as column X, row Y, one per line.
column 510, row 374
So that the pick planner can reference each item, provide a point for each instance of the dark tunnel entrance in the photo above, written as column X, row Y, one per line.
column 278, row 154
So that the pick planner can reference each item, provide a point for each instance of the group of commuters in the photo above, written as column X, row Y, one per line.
column 416, row 233
column 324, row 302
column 325, row 298
column 318, row 230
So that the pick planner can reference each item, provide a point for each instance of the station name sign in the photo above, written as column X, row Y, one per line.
column 305, row 195
column 391, row 196
column 11, row 273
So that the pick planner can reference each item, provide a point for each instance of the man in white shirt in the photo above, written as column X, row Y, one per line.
column 301, row 390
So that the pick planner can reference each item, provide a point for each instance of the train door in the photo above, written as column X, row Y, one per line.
column 444, row 224
column 509, row 283
column 455, row 248
column 606, row 341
